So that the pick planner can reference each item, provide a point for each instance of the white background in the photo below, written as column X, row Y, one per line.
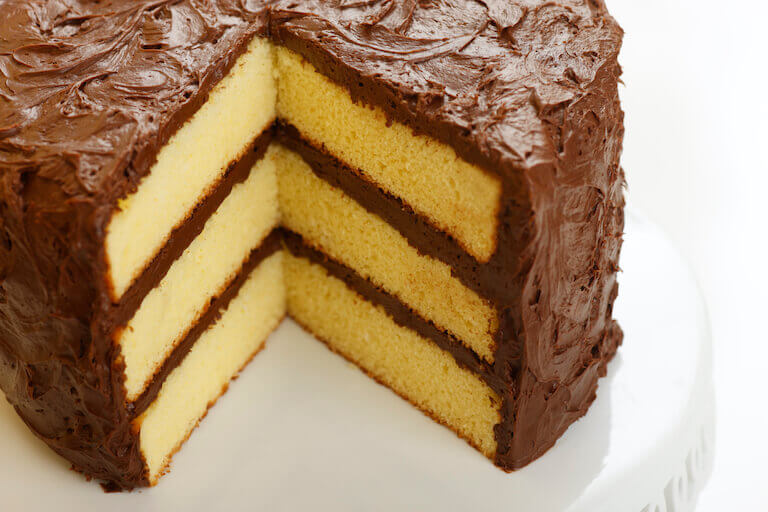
column 696, row 102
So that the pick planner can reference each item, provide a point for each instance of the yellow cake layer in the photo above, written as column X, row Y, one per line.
column 206, row 267
column 412, row 366
column 188, row 167
column 337, row 225
column 214, row 360
column 459, row 198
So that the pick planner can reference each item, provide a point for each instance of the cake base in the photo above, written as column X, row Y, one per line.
column 303, row 428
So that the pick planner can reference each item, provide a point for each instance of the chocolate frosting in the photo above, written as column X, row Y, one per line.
column 89, row 92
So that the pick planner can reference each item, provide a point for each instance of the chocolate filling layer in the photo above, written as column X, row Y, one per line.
column 193, row 225
column 419, row 231
column 495, row 280
column 215, row 309
column 399, row 312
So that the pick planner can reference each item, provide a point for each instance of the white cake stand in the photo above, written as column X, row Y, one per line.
column 303, row 430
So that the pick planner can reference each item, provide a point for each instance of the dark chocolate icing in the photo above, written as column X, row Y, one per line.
column 526, row 89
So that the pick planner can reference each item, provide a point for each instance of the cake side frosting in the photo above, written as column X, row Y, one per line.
column 569, row 291
column 89, row 93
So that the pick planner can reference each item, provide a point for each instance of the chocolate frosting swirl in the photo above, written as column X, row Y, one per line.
column 89, row 92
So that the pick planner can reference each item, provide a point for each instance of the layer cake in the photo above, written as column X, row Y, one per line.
column 432, row 189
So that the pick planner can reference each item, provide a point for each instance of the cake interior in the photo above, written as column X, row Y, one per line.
column 204, row 270
column 217, row 355
column 188, row 167
column 216, row 304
